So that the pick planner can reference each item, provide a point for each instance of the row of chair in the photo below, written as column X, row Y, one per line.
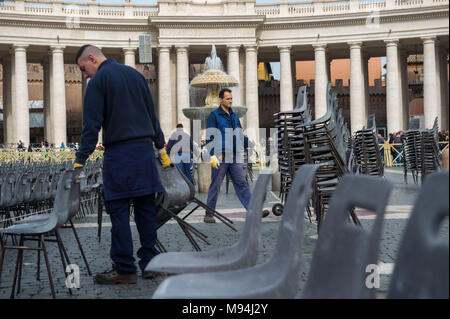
column 342, row 253
column 42, row 223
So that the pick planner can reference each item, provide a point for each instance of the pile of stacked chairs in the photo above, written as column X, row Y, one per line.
column 326, row 142
column 290, row 147
column 366, row 150
column 421, row 149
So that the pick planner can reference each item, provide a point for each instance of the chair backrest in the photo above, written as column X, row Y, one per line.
column 8, row 186
column 344, row 250
column 302, row 99
column 422, row 266
column 251, row 234
column 178, row 191
column 62, row 199
column 75, row 193
column 287, row 254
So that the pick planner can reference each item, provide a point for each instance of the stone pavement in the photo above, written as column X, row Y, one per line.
column 401, row 201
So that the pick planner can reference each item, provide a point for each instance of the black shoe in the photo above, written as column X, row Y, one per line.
column 112, row 277
column 150, row 274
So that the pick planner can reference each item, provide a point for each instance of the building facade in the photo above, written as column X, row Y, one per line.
column 49, row 33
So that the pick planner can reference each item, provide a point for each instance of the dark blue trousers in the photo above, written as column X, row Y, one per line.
column 240, row 184
column 121, row 240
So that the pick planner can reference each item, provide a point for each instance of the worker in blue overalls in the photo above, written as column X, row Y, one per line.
column 118, row 100
column 226, row 143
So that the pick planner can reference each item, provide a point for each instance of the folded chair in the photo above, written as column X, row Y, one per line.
column 242, row 254
column 277, row 278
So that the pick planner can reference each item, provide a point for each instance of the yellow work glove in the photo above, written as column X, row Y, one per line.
column 77, row 165
column 164, row 157
column 215, row 162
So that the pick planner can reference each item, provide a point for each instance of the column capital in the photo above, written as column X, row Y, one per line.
column 284, row 48
column 20, row 46
column 319, row 46
column 182, row 47
column 129, row 50
column 164, row 47
column 391, row 42
column 428, row 39
column 57, row 48
column 250, row 48
column 355, row 44
column 233, row 47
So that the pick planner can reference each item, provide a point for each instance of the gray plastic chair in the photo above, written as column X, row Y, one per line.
column 40, row 225
column 421, row 268
column 343, row 250
column 277, row 278
column 242, row 254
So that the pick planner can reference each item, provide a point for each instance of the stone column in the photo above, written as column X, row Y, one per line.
column 242, row 85
column 439, row 100
column 173, row 87
column 430, row 106
column 48, row 125
column 20, row 111
column 444, row 88
column 165, row 91
column 286, row 91
column 234, row 70
column 405, row 90
column 183, row 86
column 251, row 90
column 320, row 80
column 129, row 57
column 393, row 93
column 58, row 96
column 7, row 101
column 365, row 69
column 357, row 98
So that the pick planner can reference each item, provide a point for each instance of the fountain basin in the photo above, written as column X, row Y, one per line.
column 202, row 112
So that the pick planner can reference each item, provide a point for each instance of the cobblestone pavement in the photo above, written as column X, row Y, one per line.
column 399, row 206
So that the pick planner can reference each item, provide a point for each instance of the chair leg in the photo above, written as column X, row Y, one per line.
column 38, row 274
column 63, row 255
column 22, row 242
column 44, row 249
column 2, row 256
column 80, row 247
column 99, row 217
column 16, row 270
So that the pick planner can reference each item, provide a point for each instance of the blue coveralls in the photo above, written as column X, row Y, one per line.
column 181, row 143
column 230, row 148
column 118, row 100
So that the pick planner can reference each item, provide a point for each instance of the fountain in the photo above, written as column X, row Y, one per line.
column 213, row 79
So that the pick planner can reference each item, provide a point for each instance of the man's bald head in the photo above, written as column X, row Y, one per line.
column 85, row 50
column 88, row 59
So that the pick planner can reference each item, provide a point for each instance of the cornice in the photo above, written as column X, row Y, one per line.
column 244, row 21
column 359, row 18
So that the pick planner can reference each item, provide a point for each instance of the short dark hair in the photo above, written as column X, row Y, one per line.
column 222, row 92
column 80, row 52
column 179, row 125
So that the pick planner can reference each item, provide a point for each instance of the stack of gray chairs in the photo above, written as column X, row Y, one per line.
column 421, row 149
column 412, row 146
column 290, row 146
column 431, row 157
column 326, row 143
column 367, row 155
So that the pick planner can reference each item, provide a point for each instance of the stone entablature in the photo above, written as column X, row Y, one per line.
column 209, row 8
